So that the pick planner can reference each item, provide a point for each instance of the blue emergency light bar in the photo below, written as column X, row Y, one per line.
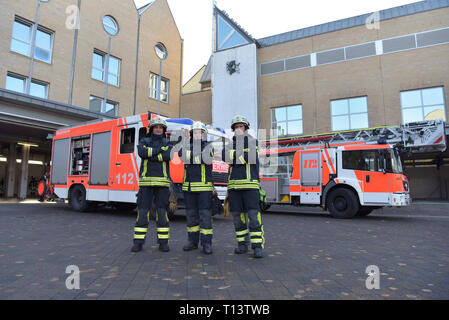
column 185, row 121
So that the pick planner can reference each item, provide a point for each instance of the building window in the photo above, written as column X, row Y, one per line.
column 114, row 71
column 39, row 89
column 348, row 114
column 99, row 66
column 18, row 83
column 110, row 25
column 287, row 120
column 423, row 104
column 43, row 46
column 227, row 36
column 165, row 84
column 21, row 40
column 97, row 105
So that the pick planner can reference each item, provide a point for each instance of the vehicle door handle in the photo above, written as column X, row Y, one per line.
column 118, row 164
column 367, row 178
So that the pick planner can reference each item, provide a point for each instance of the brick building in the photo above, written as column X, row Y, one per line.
column 384, row 68
column 64, row 62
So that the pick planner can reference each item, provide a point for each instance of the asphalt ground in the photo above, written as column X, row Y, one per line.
column 308, row 256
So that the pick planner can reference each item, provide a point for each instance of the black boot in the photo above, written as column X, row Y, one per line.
column 242, row 248
column 258, row 252
column 207, row 249
column 136, row 247
column 164, row 247
column 190, row 246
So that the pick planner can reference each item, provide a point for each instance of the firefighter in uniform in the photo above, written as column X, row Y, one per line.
column 197, row 188
column 243, row 187
column 154, row 150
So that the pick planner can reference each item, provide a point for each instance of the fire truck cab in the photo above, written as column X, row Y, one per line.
column 347, row 180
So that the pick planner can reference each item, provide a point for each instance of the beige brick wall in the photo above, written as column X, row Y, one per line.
column 197, row 106
column 194, row 85
column 389, row 28
column 157, row 25
column 123, row 46
column 381, row 78
column 416, row 69
column 52, row 16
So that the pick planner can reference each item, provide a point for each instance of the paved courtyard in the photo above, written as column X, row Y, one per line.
column 308, row 255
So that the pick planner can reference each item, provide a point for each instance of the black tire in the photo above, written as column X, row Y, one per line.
column 77, row 199
column 364, row 211
column 342, row 203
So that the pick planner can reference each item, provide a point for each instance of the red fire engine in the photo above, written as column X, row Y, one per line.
column 348, row 173
column 97, row 162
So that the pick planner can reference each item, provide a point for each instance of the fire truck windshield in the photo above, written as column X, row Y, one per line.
column 375, row 160
column 393, row 161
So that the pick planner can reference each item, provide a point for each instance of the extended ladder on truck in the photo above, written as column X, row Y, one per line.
column 350, row 172
column 423, row 136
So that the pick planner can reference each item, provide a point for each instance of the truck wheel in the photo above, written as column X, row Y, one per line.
column 342, row 204
column 77, row 199
column 364, row 211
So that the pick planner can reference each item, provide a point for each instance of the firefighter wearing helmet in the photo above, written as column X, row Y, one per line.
column 154, row 149
column 197, row 187
column 243, row 187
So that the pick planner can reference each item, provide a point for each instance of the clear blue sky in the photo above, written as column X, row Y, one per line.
column 261, row 18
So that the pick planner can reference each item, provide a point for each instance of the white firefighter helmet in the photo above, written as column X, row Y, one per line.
column 198, row 125
column 239, row 119
column 158, row 121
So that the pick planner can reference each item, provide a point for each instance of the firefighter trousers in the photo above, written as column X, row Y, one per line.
column 146, row 198
column 245, row 209
column 199, row 216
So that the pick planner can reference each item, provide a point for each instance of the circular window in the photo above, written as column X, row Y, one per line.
column 161, row 51
column 110, row 25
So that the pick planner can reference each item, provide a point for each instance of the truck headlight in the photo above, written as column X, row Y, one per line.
column 405, row 185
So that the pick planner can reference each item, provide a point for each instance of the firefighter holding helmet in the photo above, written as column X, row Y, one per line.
column 154, row 149
column 243, row 187
column 197, row 187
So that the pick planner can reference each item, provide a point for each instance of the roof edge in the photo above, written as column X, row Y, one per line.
column 144, row 8
column 346, row 23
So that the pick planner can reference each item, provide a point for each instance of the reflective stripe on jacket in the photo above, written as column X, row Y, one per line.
column 198, row 170
column 155, row 154
column 243, row 163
